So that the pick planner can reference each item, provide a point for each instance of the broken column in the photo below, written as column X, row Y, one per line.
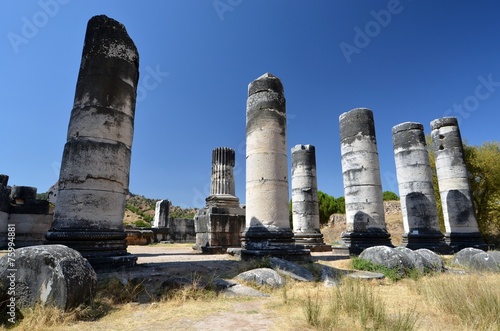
column 218, row 226
column 365, row 218
column 94, row 177
column 222, row 182
column 456, row 197
column 161, row 214
column 305, row 207
column 267, row 231
column 418, row 204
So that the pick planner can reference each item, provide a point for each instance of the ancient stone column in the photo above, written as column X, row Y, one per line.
column 364, row 204
column 222, row 182
column 418, row 204
column 456, row 197
column 305, row 208
column 267, row 229
column 95, row 168
column 219, row 224
column 162, row 209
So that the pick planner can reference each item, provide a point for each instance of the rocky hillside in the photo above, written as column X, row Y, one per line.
column 140, row 211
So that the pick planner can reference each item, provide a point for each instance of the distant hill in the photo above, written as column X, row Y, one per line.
column 140, row 211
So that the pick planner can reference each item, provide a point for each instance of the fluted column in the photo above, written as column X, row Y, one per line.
column 95, row 166
column 456, row 197
column 222, row 191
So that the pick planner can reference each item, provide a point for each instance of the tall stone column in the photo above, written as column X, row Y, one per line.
column 267, row 229
column 95, row 166
column 305, row 207
column 418, row 204
column 364, row 203
column 222, row 182
column 162, row 209
column 456, row 197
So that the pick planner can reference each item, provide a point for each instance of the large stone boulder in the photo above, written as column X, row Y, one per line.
column 291, row 270
column 463, row 257
column 431, row 261
column 262, row 276
column 484, row 262
column 388, row 257
column 416, row 259
column 48, row 274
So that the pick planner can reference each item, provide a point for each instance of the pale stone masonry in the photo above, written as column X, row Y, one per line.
column 94, row 176
column 362, row 183
column 162, row 209
column 305, row 207
column 456, row 197
column 268, row 230
column 414, row 174
column 222, row 187
column 218, row 226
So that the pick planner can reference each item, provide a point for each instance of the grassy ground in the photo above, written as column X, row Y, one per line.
column 438, row 302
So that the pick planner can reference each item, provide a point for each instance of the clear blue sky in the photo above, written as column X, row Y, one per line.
column 412, row 61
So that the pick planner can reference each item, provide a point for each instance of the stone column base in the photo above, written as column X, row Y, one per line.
column 312, row 241
column 459, row 241
column 104, row 250
column 259, row 242
column 356, row 242
column 433, row 241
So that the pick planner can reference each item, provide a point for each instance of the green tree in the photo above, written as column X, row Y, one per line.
column 327, row 206
column 390, row 196
column 483, row 166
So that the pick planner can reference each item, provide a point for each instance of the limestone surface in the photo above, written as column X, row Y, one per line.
column 262, row 276
column 49, row 274
column 291, row 270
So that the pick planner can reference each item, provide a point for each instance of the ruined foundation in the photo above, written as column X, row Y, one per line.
column 305, row 208
column 219, row 225
column 362, row 184
column 94, row 176
column 456, row 197
column 267, row 231
column 418, row 204
column 20, row 210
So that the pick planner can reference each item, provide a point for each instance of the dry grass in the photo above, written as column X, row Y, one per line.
column 442, row 302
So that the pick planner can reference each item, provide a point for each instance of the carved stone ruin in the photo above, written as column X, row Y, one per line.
column 94, row 177
column 219, row 225
column 418, row 204
column 267, row 231
column 456, row 197
column 30, row 216
column 305, row 207
column 161, row 214
column 365, row 219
